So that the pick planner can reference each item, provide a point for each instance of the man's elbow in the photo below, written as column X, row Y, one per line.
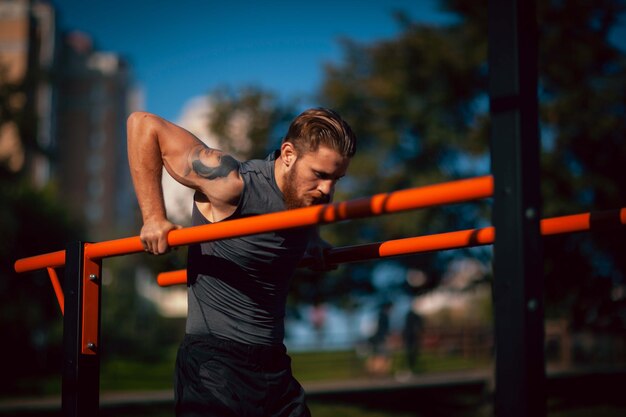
column 140, row 124
column 137, row 119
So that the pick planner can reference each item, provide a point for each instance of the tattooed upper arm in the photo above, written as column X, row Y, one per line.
column 193, row 164
column 210, row 163
column 225, row 166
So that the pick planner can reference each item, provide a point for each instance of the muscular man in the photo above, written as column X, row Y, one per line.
column 232, row 361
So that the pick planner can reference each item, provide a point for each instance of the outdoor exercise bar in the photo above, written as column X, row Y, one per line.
column 396, row 201
column 58, row 290
column 410, row 199
column 441, row 241
column 83, row 260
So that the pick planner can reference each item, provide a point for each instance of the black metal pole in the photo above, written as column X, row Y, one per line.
column 81, row 372
column 518, row 263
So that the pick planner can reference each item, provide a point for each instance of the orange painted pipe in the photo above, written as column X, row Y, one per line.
column 396, row 201
column 441, row 241
column 583, row 221
column 470, row 237
column 397, row 247
column 167, row 279
column 115, row 247
column 33, row 263
column 410, row 199
column 56, row 285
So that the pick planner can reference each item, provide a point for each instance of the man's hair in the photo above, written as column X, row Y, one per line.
column 320, row 126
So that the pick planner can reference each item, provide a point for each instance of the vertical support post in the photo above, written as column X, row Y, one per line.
column 81, row 334
column 518, row 263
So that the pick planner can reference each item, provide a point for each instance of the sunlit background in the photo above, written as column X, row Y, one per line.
column 411, row 79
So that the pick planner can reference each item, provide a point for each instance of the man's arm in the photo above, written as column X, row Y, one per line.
column 154, row 143
column 317, row 249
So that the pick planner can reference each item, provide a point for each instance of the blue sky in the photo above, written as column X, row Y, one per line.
column 183, row 49
column 186, row 48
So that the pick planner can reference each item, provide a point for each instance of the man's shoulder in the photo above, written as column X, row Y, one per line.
column 263, row 167
column 253, row 165
column 261, row 193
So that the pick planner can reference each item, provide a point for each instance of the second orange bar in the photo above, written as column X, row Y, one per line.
column 442, row 241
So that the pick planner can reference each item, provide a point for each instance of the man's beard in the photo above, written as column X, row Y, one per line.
column 290, row 194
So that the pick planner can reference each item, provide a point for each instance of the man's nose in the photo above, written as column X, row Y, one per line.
column 326, row 186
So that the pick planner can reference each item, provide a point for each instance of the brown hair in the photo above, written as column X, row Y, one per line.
column 320, row 126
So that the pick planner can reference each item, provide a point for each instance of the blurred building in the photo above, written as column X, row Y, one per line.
column 95, row 96
column 27, row 57
column 67, row 120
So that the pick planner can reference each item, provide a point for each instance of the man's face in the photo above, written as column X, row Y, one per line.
column 313, row 177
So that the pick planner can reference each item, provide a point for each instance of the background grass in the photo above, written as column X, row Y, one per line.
column 127, row 375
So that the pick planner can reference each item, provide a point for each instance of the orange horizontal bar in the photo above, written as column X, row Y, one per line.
column 441, row 241
column 396, row 201
column 471, row 237
column 410, row 199
column 583, row 221
column 115, row 247
column 33, row 263
column 411, row 245
column 397, row 247
column 167, row 279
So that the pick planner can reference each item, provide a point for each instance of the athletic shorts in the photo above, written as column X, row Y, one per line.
column 221, row 378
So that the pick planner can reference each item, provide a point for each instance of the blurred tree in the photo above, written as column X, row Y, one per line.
column 249, row 122
column 32, row 222
column 583, row 96
column 419, row 105
column 35, row 221
column 132, row 326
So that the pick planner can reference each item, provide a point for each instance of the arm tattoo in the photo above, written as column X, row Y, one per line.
column 227, row 164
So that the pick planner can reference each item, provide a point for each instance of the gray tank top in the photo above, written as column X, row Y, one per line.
column 237, row 288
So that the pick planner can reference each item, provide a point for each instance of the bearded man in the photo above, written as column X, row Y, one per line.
column 232, row 361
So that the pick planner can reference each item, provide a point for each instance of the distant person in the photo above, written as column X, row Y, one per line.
column 412, row 335
column 318, row 321
column 232, row 361
column 380, row 361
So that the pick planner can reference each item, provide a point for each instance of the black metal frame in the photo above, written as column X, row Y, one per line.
column 81, row 372
column 518, row 263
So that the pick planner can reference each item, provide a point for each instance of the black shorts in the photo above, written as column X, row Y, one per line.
column 221, row 378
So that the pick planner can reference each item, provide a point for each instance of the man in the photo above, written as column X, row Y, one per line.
column 412, row 334
column 380, row 362
column 232, row 361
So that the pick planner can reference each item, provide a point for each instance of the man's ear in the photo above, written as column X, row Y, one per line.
column 288, row 153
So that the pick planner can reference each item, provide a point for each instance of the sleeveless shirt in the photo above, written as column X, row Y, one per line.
column 237, row 288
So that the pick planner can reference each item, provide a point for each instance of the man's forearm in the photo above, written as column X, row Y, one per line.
column 146, row 166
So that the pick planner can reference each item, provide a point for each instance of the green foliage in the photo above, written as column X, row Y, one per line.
column 249, row 122
column 32, row 222
column 126, row 374
column 582, row 92
column 418, row 103
column 320, row 409
column 132, row 327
